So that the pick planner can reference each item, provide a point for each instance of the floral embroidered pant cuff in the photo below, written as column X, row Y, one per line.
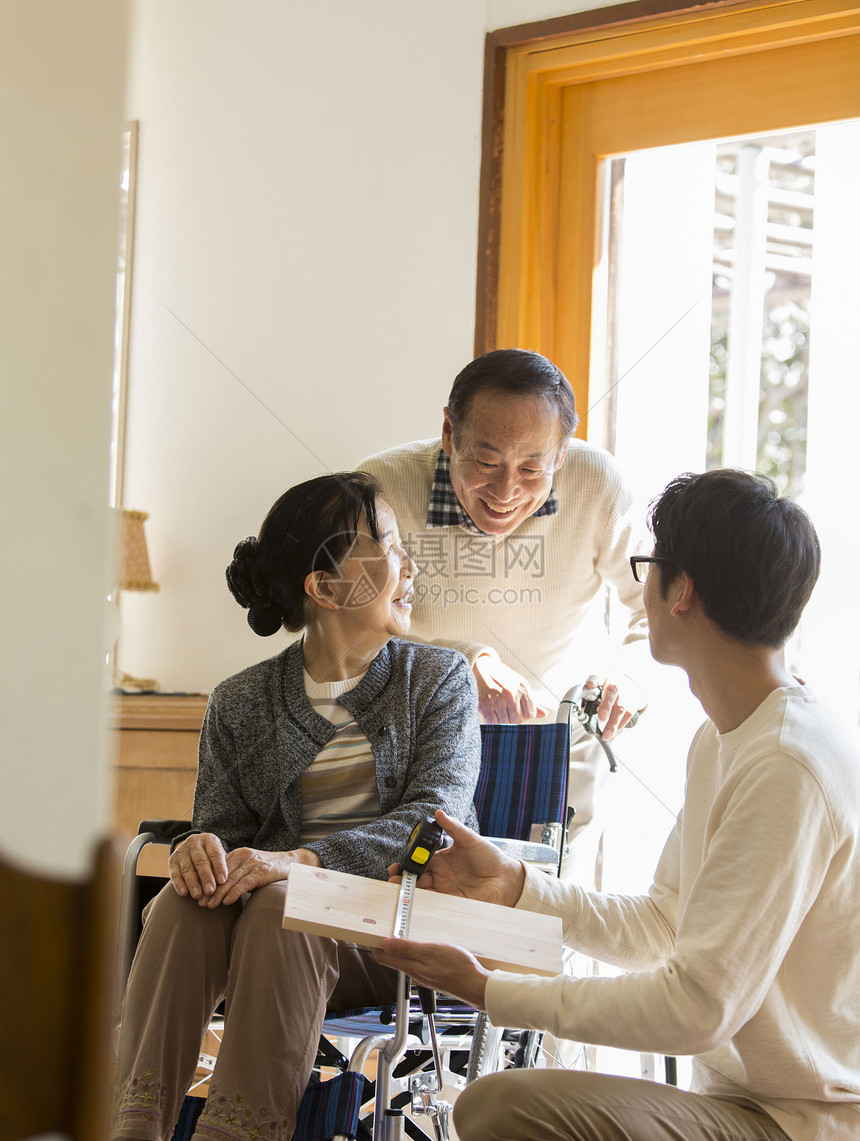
column 276, row 986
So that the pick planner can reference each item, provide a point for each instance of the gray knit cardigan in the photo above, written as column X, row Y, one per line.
column 417, row 705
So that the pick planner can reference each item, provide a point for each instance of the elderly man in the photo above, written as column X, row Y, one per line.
column 744, row 952
column 516, row 529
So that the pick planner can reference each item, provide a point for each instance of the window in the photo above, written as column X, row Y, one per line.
column 669, row 215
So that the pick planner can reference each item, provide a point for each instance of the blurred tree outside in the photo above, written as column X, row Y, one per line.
column 783, row 380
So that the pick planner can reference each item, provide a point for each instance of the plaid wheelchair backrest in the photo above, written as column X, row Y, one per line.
column 523, row 778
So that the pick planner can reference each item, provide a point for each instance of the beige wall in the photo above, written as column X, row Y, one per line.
column 303, row 295
column 61, row 103
column 305, row 275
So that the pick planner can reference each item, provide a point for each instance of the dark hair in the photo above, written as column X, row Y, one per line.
column 310, row 528
column 753, row 557
column 515, row 372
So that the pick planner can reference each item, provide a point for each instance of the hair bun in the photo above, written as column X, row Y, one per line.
column 239, row 573
column 263, row 619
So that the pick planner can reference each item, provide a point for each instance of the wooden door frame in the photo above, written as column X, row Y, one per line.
column 496, row 51
column 527, row 69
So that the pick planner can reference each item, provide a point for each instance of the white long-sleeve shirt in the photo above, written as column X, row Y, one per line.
column 746, row 951
column 527, row 596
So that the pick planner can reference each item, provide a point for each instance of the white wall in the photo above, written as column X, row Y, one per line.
column 307, row 217
column 61, row 95
column 304, row 286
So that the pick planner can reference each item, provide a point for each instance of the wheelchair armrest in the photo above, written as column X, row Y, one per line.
column 544, row 855
column 150, row 832
column 162, row 831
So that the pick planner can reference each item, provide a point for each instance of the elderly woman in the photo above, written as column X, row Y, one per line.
column 326, row 755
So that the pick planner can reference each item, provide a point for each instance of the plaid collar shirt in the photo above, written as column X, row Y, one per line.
column 445, row 509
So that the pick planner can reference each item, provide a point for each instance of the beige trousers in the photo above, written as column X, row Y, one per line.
column 276, row 986
column 556, row 1105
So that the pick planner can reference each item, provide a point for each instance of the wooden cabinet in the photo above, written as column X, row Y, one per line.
column 155, row 764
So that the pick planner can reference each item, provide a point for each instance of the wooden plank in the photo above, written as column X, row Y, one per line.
column 341, row 906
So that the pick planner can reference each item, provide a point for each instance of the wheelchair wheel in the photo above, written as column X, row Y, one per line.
column 485, row 1054
column 494, row 1049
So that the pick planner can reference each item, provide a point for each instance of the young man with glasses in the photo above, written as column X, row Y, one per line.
column 745, row 952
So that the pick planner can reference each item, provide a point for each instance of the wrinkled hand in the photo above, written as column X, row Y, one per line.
column 504, row 696
column 200, row 867
column 450, row 970
column 471, row 867
column 620, row 701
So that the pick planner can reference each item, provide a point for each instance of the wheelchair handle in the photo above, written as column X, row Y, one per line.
column 582, row 704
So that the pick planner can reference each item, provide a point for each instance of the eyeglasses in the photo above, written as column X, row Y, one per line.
column 639, row 564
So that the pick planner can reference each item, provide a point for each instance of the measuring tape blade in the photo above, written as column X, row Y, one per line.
column 404, row 905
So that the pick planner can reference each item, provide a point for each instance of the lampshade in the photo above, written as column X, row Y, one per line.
column 134, row 572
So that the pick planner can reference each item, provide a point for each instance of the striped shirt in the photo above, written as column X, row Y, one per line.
column 339, row 786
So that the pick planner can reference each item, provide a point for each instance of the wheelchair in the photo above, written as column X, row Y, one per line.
column 424, row 1048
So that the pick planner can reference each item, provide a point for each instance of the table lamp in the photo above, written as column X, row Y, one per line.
column 133, row 574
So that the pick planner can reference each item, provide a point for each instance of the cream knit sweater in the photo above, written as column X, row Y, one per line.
column 746, row 951
column 536, row 596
